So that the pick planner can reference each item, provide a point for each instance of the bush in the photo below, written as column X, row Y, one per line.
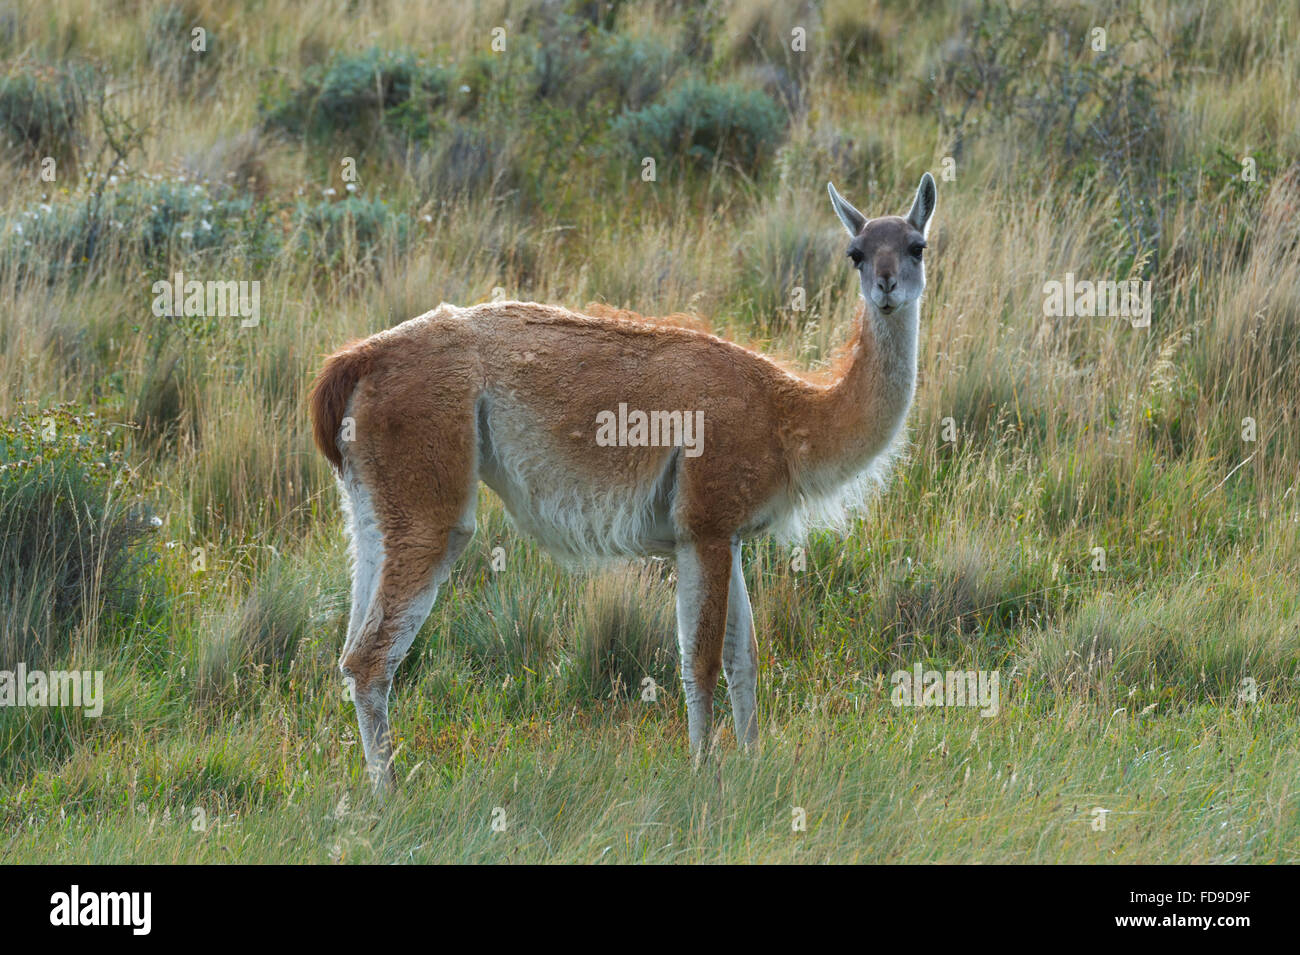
column 635, row 70
column 278, row 626
column 159, row 217
column 625, row 632
column 467, row 160
column 69, row 531
column 350, row 228
column 581, row 67
column 1098, row 116
column 42, row 108
column 172, row 222
column 703, row 124
column 778, row 252
column 355, row 93
column 157, row 221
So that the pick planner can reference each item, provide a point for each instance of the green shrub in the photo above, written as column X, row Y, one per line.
column 635, row 70
column 1099, row 116
column 42, row 109
column 777, row 253
column 70, row 527
column 576, row 65
column 466, row 160
column 350, row 228
column 354, row 94
column 172, row 223
column 703, row 124
column 159, row 222
column 625, row 631
column 282, row 623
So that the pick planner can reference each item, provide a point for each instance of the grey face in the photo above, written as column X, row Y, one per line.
column 889, row 252
column 889, row 256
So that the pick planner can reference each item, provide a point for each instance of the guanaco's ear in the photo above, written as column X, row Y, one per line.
column 922, row 205
column 853, row 219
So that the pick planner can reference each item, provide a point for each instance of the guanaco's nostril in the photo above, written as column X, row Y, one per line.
column 886, row 283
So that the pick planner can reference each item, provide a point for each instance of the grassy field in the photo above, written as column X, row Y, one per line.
column 1106, row 515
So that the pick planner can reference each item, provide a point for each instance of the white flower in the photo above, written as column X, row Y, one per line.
column 330, row 191
column 207, row 226
column 187, row 235
column 352, row 187
column 464, row 88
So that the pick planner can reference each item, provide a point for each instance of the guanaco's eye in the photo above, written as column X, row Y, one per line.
column 856, row 256
column 916, row 249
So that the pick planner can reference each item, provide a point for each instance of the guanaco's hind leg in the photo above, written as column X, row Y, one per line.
column 365, row 546
column 740, row 655
column 414, row 567
column 703, row 581
column 422, row 496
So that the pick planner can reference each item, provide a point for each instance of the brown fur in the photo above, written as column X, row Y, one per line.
column 715, row 559
column 412, row 392
column 330, row 392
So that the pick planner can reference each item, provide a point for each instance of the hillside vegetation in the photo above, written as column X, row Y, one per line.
column 1107, row 515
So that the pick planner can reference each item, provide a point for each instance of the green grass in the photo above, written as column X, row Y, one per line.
column 876, row 784
column 1101, row 532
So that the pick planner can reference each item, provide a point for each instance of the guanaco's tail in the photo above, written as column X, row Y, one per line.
column 330, row 393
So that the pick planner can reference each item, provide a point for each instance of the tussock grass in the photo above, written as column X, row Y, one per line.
column 625, row 632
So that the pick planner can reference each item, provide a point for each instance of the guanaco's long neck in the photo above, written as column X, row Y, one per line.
column 856, row 418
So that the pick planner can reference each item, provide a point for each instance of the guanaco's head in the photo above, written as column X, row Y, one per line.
column 888, row 251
